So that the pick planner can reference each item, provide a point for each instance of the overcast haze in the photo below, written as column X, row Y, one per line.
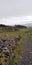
column 15, row 12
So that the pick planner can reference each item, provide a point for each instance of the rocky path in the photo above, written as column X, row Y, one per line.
column 26, row 55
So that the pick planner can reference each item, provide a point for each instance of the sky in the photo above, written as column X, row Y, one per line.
column 15, row 12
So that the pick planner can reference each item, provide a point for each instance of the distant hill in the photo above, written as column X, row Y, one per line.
column 29, row 25
column 20, row 26
column 11, row 28
column 2, row 25
column 17, row 26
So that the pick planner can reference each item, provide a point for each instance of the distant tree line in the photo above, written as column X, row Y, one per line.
column 11, row 28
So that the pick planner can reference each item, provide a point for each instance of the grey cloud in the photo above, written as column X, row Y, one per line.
column 15, row 7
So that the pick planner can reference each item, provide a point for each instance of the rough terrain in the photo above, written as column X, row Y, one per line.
column 26, row 54
column 7, row 46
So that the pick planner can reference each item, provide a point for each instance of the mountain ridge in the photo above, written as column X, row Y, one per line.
column 28, row 25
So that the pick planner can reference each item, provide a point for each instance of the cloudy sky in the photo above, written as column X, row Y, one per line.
column 15, row 12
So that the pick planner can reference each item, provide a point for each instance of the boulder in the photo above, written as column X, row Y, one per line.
column 6, row 53
column 3, row 39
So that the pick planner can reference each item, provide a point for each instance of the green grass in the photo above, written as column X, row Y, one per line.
column 30, row 33
column 30, row 36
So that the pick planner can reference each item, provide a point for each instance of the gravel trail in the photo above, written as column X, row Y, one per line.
column 26, row 54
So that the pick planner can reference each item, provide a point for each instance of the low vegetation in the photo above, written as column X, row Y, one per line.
column 12, row 42
column 30, row 33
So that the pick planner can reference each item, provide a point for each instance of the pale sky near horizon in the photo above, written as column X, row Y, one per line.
column 15, row 12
